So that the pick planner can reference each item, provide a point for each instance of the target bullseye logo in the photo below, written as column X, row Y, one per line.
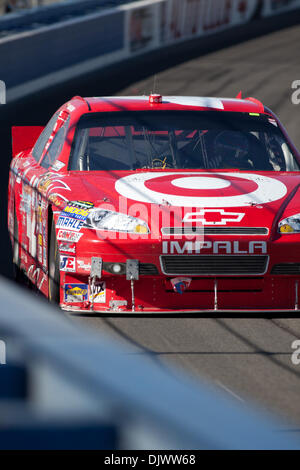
column 201, row 189
column 196, row 182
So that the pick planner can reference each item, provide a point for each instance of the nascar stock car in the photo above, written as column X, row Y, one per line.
column 157, row 204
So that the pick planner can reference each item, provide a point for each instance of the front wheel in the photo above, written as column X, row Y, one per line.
column 53, row 267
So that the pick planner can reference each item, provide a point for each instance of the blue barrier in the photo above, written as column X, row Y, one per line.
column 90, row 387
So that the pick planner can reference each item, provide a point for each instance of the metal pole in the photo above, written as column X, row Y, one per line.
column 132, row 295
column 216, row 295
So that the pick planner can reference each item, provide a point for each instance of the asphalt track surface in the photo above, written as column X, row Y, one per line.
column 248, row 358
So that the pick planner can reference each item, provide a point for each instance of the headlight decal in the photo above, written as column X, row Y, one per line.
column 290, row 224
column 104, row 219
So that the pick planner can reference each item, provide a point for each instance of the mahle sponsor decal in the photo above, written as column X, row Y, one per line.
column 70, row 223
column 216, row 247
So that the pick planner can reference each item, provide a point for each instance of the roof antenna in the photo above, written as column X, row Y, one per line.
column 154, row 84
column 239, row 95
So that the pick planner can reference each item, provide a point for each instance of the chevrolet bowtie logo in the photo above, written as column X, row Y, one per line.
column 213, row 217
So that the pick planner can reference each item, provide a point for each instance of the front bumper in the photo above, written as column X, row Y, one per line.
column 272, row 290
column 156, row 294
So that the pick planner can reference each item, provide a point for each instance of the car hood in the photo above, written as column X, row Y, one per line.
column 215, row 198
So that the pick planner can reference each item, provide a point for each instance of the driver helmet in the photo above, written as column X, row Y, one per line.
column 231, row 147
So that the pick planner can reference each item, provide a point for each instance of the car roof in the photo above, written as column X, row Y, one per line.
column 168, row 103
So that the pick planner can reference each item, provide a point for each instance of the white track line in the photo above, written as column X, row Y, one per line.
column 229, row 391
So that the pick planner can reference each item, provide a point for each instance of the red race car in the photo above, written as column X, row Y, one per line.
column 158, row 204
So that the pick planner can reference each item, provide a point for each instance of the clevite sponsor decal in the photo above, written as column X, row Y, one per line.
column 98, row 293
column 69, row 236
column 75, row 292
column 67, row 263
column 216, row 247
column 201, row 189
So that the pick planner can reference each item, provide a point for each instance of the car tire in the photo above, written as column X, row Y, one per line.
column 53, row 267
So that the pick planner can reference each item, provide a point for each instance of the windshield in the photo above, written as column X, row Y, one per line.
column 180, row 139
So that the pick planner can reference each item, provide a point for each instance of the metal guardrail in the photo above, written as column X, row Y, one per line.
column 52, row 54
column 64, row 386
column 46, row 14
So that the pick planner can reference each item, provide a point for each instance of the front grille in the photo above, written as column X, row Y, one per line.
column 286, row 268
column 214, row 230
column 147, row 269
column 209, row 265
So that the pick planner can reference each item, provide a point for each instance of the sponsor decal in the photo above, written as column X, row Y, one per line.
column 70, row 107
column 40, row 254
column 57, row 199
column 75, row 212
column 44, row 257
column 70, row 223
column 68, row 236
column 272, row 121
column 44, row 182
column 36, row 275
column 67, row 247
column 213, row 217
column 67, row 263
column 202, row 102
column 98, row 293
column 40, row 239
column 26, row 199
column 216, row 247
column 180, row 284
column 82, row 204
column 74, row 215
column 58, row 165
column 51, row 181
column 83, row 265
column 75, row 292
column 200, row 189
